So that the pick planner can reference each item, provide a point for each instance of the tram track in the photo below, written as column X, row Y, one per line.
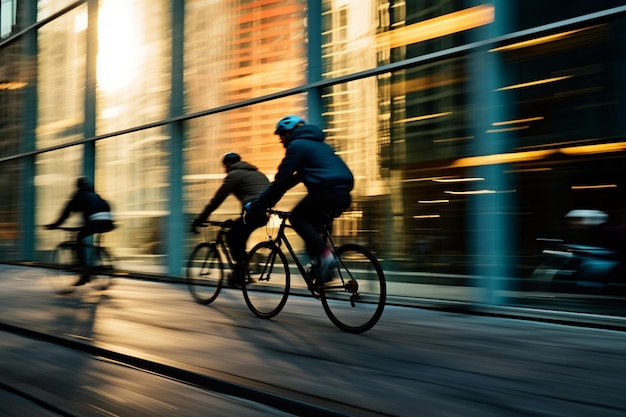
column 280, row 399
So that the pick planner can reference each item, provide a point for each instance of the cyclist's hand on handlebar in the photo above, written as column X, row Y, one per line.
column 194, row 226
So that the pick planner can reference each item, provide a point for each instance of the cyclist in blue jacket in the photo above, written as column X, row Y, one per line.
column 308, row 159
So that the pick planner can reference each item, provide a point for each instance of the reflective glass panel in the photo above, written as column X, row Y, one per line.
column 134, row 63
column 131, row 173
column 61, row 80
column 237, row 50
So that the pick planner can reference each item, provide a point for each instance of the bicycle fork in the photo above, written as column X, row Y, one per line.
column 266, row 274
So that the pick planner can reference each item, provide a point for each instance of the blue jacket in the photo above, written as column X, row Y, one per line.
column 308, row 159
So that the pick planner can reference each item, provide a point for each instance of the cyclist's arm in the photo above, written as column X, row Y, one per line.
column 227, row 187
column 67, row 210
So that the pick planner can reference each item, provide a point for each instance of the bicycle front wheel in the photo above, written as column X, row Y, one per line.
column 267, row 280
column 102, row 268
column 63, row 260
column 205, row 273
column 355, row 300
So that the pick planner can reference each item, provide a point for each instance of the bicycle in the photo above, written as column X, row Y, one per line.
column 205, row 268
column 353, row 302
column 67, row 270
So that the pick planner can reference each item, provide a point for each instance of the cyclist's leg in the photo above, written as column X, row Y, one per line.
column 81, row 255
column 83, row 234
column 308, row 218
column 305, row 217
column 237, row 239
column 90, row 228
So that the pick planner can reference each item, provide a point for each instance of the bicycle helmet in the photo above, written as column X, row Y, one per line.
column 231, row 158
column 287, row 123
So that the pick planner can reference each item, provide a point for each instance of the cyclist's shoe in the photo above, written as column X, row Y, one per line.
column 84, row 279
column 327, row 266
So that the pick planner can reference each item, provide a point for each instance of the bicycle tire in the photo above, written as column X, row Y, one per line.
column 62, row 260
column 354, row 302
column 101, row 270
column 205, row 273
column 267, row 280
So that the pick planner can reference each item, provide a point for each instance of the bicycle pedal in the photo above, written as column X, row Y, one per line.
column 352, row 286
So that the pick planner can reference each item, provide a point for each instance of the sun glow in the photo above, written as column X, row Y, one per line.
column 117, row 45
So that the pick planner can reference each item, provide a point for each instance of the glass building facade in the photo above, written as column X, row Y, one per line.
column 471, row 127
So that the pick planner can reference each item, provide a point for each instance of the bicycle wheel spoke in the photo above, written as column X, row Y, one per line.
column 355, row 299
column 205, row 273
column 267, row 284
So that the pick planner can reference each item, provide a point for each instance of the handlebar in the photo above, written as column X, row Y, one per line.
column 281, row 214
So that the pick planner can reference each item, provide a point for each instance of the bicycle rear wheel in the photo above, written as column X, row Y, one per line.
column 101, row 269
column 267, row 280
column 355, row 301
column 205, row 273
column 63, row 260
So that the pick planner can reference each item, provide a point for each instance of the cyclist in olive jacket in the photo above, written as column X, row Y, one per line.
column 245, row 181
column 308, row 159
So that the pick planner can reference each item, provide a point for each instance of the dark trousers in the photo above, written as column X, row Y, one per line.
column 308, row 217
column 90, row 228
column 237, row 239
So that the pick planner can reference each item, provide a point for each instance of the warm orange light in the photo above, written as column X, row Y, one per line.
column 424, row 117
column 501, row 158
column 438, row 26
column 592, row 149
column 593, row 187
column 539, row 41
column 512, row 157
column 510, row 122
column 533, row 83
column 12, row 85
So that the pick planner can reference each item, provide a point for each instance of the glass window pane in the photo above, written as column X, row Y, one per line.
column 55, row 183
column 235, row 52
column 248, row 131
column 134, row 63
column 9, row 215
column 46, row 8
column 61, row 80
column 131, row 173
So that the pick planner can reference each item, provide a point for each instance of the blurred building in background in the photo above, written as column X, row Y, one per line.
column 472, row 127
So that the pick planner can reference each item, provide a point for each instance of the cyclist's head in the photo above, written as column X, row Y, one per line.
column 82, row 183
column 230, row 158
column 287, row 124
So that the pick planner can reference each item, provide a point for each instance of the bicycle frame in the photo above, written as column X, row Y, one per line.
column 220, row 242
column 91, row 243
column 345, row 305
column 98, row 268
column 282, row 238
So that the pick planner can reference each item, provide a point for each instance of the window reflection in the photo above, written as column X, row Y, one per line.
column 408, row 135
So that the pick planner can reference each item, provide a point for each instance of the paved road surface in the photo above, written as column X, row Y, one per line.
column 415, row 362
